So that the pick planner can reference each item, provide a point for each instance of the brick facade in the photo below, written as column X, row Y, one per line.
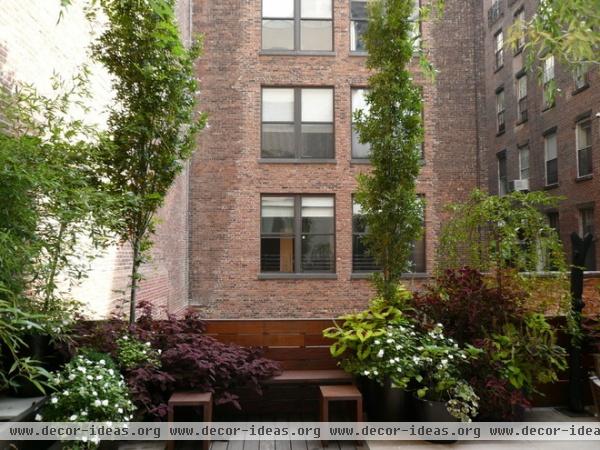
column 228, row 177
column 570, row 105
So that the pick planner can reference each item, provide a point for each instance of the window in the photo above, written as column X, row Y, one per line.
column 363, row 262
column 524, row 163
column 297, row 25
column 359, row 150
column 495, row 11
column 584, row 147
column 522, row 98
column 586, row 218
column 297, row 234
column 499, row 49
column 551, row 153
column 500, row 125
column 297, row 123
column 520, row 22
column 548, row 79
column 502, row 174
column 580, row 76
column 554, row 221
column 415, row 29
column 359, row 20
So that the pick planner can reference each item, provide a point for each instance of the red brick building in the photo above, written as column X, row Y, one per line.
column 534, row 143
column 271, row 183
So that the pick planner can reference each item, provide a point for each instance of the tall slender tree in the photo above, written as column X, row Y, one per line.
column 392, row 126
column 154, row 120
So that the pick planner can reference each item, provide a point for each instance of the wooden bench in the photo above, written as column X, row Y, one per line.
column 318, row 377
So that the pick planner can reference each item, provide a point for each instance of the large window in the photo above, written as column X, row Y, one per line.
column 363, row 261
column 584, row 147
column 292, row 25
column 524, row 162
column 499, row 49
column 520, row 22
column 297, row 234
column 580, row 76
column 548, row 79
column 586, row 222
column 359, row 150
column 500, row 123
column 359, row 20
column 502, row 173
column 297, row 123
column 522, row 98
column 551, row 153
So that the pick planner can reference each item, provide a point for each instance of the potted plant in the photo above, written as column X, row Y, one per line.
column 442, row 394
column 375, row 345
column 90, row 388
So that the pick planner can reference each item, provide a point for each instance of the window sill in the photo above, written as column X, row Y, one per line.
column 521, row 122
column 297, row 276
column 360, row 161
column 295, row 161
column 357, row 53
column 405, row 276
column 500, row 133
column 551, row 186
column 547, row 108
column 580, row 89
column 584, row 178
column 296, row 53
column 518, row 51
column 498, row 69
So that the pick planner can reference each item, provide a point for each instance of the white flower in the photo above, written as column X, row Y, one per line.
column 377, row 342
column 380, row 353
column 125, row 338
column 375, row 372
column 159, row 351
column 120, row 410
column 366, row 372
column 102, row 362
column 66, row 393
column 398, row 347
column 38, row 417
column 444, row 361
column 111, row 372
column 97, row 403
column 53, row 400
column 98, row 377
column 84, row 413
column 104, row 402
column 416, row 359
column 89, row 377
column 95, row 394
column 451, row 356
column 463, row 356
column 390, row 341
column 73, row 417
column 148, row 344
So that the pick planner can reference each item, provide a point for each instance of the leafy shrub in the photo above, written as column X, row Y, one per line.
column 90, row 388
column 189, row 360
column 520, row 349
column 132, row 352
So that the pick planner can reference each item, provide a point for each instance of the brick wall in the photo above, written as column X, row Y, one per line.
column 569, row 106
column 227, row 177
column 32, row 46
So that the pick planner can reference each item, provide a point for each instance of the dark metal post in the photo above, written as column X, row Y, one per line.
column 580, row 249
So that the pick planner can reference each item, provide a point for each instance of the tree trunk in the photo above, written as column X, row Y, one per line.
column 53, row 269
column 134, row 280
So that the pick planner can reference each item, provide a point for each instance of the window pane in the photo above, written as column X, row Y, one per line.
column 278, row 8
column 358, row 9
column 523, row 86
column 362, row 260
column 317, row 253
column 524, row 163
column 359, row 151
column 316, row 9
column 585, row 161
column 278, row 141
column 359, row 102
column 278, row 35
column 417, row 260
column 316, row 35
column 277, row 215
column 358, row 28
column 317, row 215
column 552, row 171
column 277, row 254
column 277, row 105
column 584, row 134
column 317, row 141
column 317, row 105
column 551, row 147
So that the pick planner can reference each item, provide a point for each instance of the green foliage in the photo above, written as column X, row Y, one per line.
column 567, row 29
column 391, row 208
column 355, row 336
column 132, row 352
column 153, row 122
column 528, row 356
column 90, row 388
column 491, row 233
